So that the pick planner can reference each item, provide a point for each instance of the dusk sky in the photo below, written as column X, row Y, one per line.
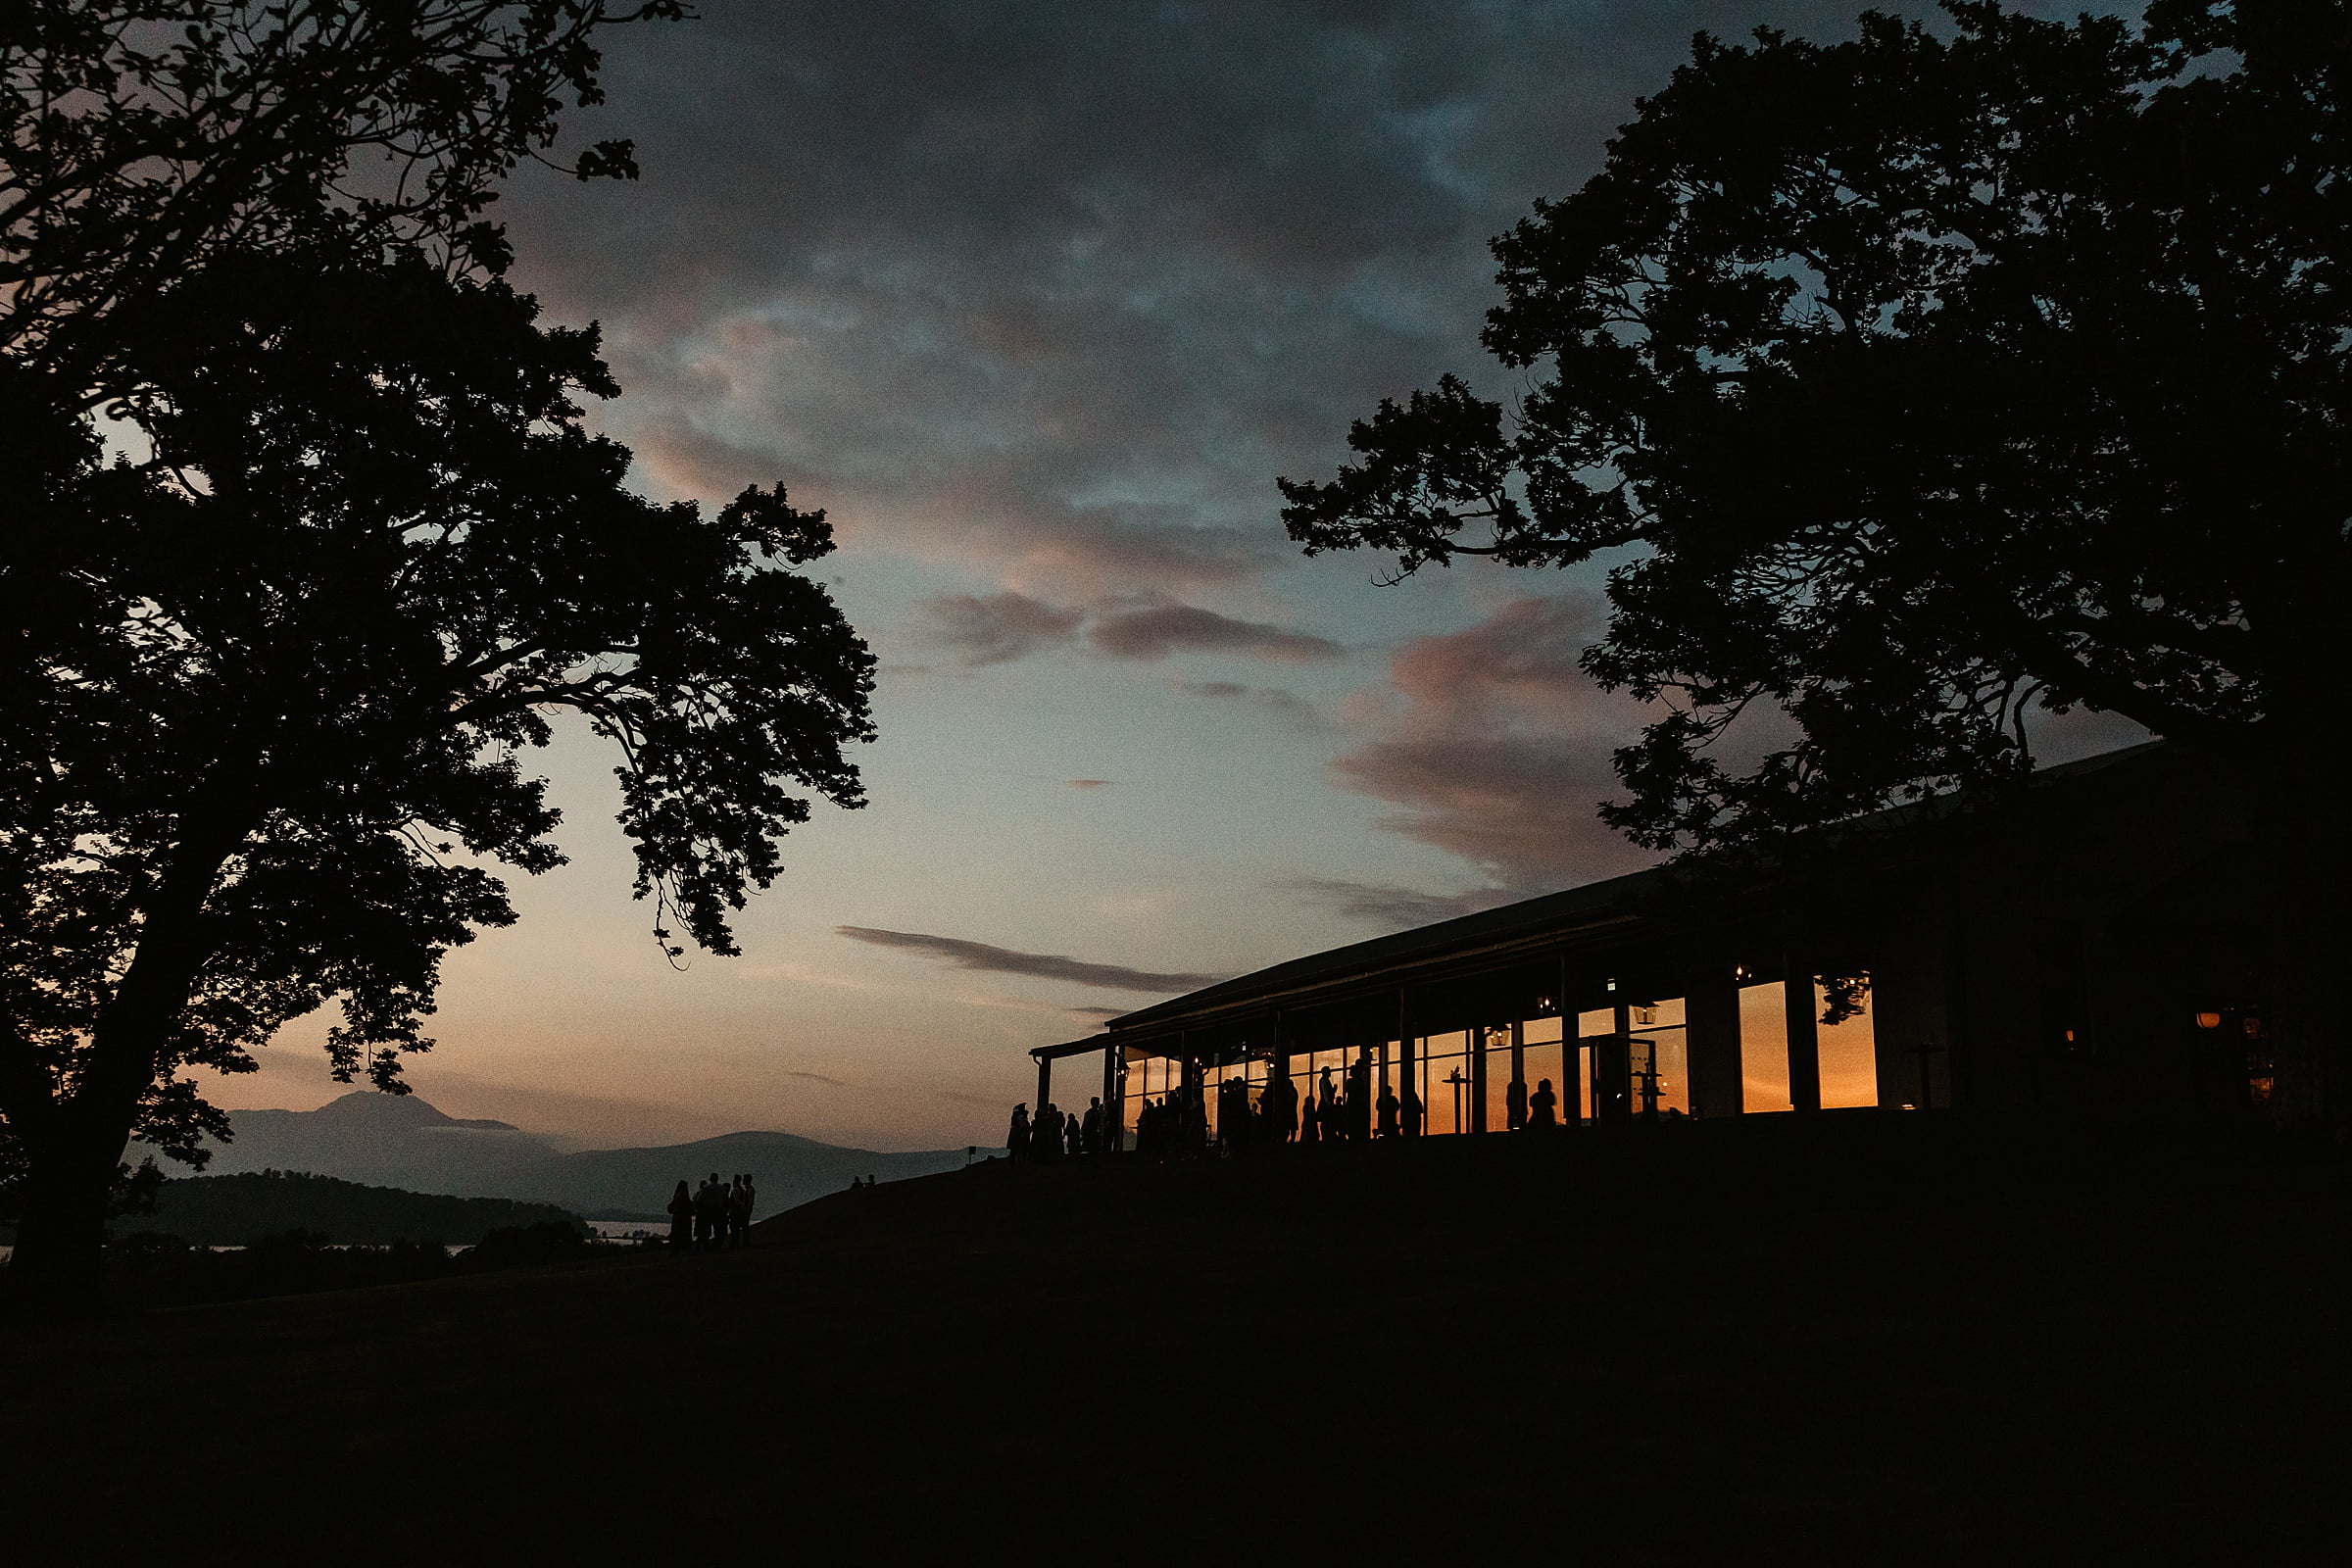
column 1037, row 301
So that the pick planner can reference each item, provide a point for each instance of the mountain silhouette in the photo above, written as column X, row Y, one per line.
column 400, row 1141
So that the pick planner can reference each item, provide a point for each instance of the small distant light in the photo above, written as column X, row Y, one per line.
column 2209, row 1020
column 1612, row 985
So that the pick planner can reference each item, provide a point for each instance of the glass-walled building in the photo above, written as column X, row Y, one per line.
column 2062, row 950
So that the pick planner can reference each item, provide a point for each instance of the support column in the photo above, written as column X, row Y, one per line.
column 1515, row 1103
column 1804, row 1031
column 1111, row 1129
column 1475, row 1039
column 1574, row 1104
column 1045, row 1087
column 1282, row 1095
column 1711, row 1012
column 1613, row 1066
column 1409, row 1060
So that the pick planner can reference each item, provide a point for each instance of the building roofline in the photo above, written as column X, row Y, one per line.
column 1510, row 930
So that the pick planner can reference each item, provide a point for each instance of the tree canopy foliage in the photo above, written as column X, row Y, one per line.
column 140, row 139
column 1911, row 382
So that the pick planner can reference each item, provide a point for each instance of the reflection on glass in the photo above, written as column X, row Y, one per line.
column 1849, row 1058
column 1660, row 1047
column 1497, row 1051
column 1444, row 1081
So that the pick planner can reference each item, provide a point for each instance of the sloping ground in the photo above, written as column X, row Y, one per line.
column 789, row 1169
column 1874, row 1339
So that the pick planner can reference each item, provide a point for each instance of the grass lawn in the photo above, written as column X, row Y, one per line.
column 1871, row 1337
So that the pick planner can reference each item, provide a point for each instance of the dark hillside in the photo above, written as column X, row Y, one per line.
column 1873, row 1337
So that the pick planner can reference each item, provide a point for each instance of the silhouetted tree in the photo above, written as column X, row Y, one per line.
column 1917, row 381
column 141, row 139
column 269, row 665
column 265, row 712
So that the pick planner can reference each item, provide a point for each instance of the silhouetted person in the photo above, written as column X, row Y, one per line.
column 1327, row 1106
column 681, row 1218
column 1044, row 1133
column 1514, row 1102
column 710, row 1213
column 1279, row 1104
column 1359, row 1099
column 1542, row 1106
column 1408, row 1110
column 1016, row 1137
column 1388, row 1111
column 739, row 1211
column 1090, row 1129
column 1073, row 1136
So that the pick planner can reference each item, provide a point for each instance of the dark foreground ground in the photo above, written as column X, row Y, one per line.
column 1876, row 1338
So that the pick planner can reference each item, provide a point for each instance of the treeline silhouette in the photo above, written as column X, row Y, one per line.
column 150, row 1268
column 230, row 1210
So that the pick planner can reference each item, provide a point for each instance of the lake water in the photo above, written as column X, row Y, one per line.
column 611, row 1230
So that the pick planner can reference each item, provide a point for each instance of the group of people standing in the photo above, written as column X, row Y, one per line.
column 1331, row 1111
column 715, row 1216
column 1052, row 1134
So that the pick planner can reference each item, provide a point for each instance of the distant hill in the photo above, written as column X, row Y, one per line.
column 399, row 1141
column 230, row 1210
column 389, row 1140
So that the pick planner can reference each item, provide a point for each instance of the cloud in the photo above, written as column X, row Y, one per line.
column 999, row 628
column 1496, row 747
column 1287, row 706
column 996, row 628
column 1155, row 631
column 818, row 1078
column 1090, row 783
column 1101, row 1014
column 1052, row 298
column 964, row 954
column 1398, row 909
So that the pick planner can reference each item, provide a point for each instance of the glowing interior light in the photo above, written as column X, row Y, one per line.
column 2209, row 1020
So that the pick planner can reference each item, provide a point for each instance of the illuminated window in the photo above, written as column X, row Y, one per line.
column 1764, row 1048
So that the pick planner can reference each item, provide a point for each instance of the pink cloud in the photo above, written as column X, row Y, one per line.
column 1494, row 747
column 1155, row 631
column 996, row 628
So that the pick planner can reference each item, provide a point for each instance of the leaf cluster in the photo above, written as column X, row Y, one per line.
column 142, row 139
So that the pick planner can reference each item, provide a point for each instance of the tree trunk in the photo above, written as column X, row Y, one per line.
column 59, row 1264
column 76, row 1150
